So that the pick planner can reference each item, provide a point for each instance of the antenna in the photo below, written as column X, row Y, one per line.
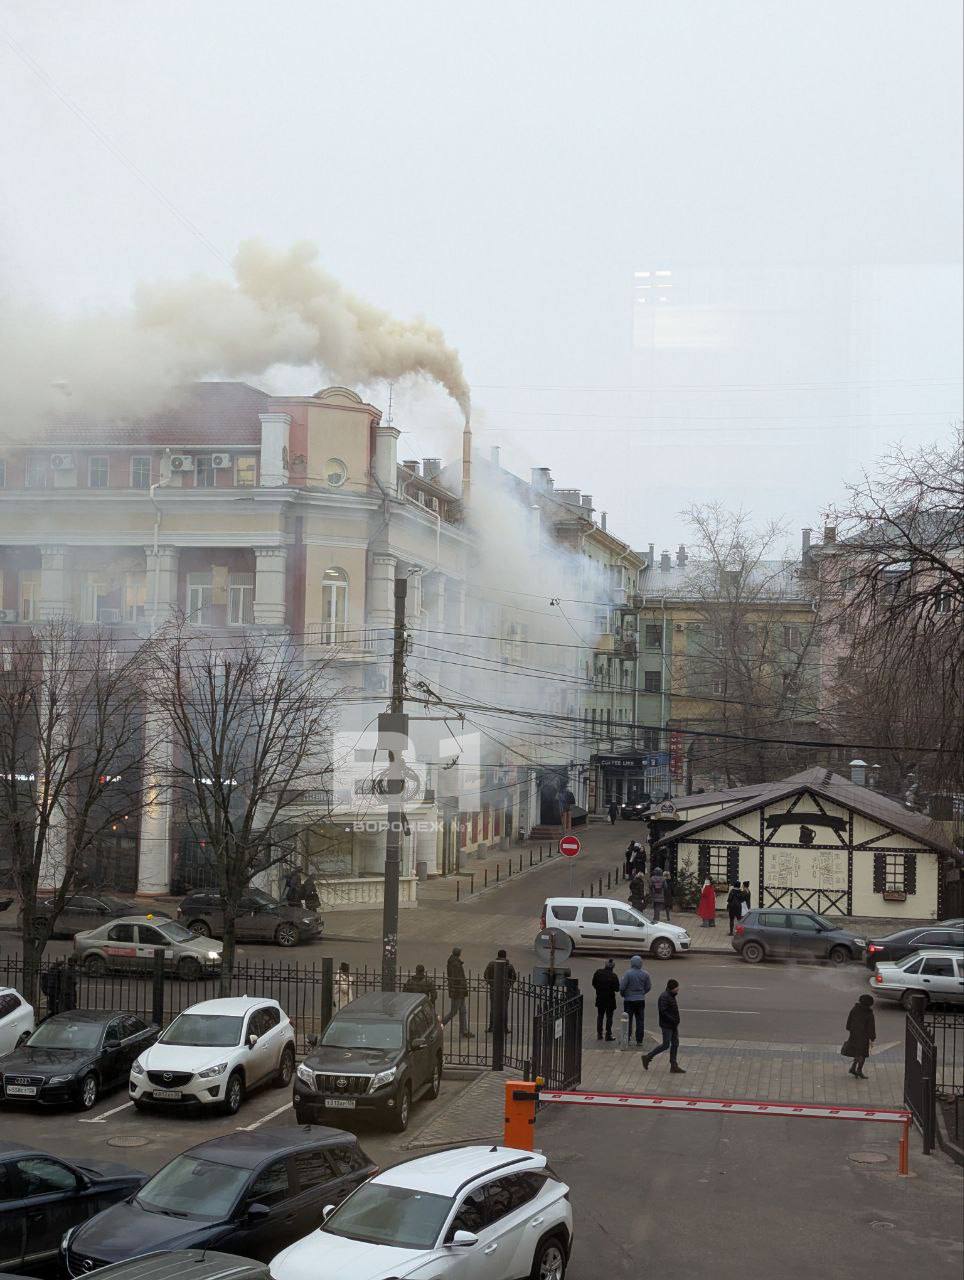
column 391, row 388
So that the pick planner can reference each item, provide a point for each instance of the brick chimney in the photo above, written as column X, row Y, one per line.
column 681, row 557
column 665, row 562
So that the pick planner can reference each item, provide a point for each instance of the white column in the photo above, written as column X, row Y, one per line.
column 386, row 457
column 269, row 585
column 54, row 598
column 381, row 590
column 275, row 429
column 161, row 584
column 154, row 848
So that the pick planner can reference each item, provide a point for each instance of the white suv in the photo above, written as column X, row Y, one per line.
column 605, row 924
column 214, row 1053
column 492, row 1213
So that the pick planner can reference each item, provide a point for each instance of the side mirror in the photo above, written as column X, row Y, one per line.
column 312, row 1042
column 464, row 1239
column 252, row 1040
column 328, row 1210
column 257, row 1212
column 418, row 1042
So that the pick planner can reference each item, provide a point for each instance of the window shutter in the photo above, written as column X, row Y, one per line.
column 733, row 863
column 910, row 872
column 880, row 872
column 703, row 862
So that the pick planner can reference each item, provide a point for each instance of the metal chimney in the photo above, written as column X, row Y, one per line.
column 858, row 773
column 665, row 562
column 830, row 533
column 681, row 557
column 602, row 522
column 651, row 556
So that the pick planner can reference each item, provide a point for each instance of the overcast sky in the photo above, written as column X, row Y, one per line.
column 510, row 171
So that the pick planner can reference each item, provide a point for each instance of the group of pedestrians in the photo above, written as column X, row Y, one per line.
column 301, row 891
column 633, row 987
column 655, row 889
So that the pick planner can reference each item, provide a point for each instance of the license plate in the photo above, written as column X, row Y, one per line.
column 21, row 1091
column 168, row 1095
column 345, row 1104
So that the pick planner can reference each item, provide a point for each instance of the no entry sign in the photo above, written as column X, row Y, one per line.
column 569, row 846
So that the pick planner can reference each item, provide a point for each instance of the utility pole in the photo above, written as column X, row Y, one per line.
column 393, row 737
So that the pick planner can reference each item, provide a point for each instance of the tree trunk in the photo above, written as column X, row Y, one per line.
column 228, row 949
column 33, row 948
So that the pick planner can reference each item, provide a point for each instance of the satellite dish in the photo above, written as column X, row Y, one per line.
column 552, row 947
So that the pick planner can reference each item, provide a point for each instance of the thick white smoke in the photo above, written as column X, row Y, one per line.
column 281, row 308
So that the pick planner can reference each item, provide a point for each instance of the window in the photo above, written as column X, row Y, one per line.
column 204, row 474
column 121, row 933
column 36, row 477
column 791, row 637
column 141, row 471
column 135, row 597
column 654, row 636
column 270, row 1186
column 131, row 1026
column 98, row 472
column 894, row 872
column 240, row 599
column 246, row 472
column 8, row 1004
column 334, row 606
column 200, row 594
column 721, row 862
column 720, row 639
column 510, row 1193
column 941, row 605
column 346, row 1159
column 270, row 1018
column 336, row 473
column 40, row 1177
column 112, row 1037
column 913, row 967
column 719, row 687
column 30, row 595
column 595, row 915
column 773, row 920
column 652, row 681
column 563, row 913
column 472, row 1214
column 938, row 966
column 625, row 917
column 150, row 937
column 805, row 924
column 313, row 1169
column 3, row 474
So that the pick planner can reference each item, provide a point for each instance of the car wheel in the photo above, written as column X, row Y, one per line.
column 139, row 1105
column 839, row 955
column 189, row 969
column 752, row 952
column 88, row 1092
column 286, row 934
column 435, row 1088
column 663, row 949
column 403, row 1109
column 234, row 1094
column 95, row 966
column 549, row 1261
column 286, row 1068
column 909, row 997
column 200, row 928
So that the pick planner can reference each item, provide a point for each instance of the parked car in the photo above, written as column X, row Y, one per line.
column 261, row 918
column 772, row 934
column 634, row 809
column 377, row 1055
column 72, row 1058
column 129, row 945
column 894, row 946
column 938, row 976
column 249, row 1192
column 80, row 911
column 16, row 1019
column 41, row 1196
column 215, row 1053
column 485, row 1212
column 185, row 1264
column 606, row 924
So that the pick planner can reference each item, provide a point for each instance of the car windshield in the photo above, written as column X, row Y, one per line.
column 191, row 1187
column 362, row 1035
column 824, row 923
column 176, row 932
column 259, row 895
column 215, row 1029
column 66, row 1034
column 396, row 1216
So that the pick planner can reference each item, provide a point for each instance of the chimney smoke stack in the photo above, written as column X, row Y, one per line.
column 681, row 557
column 602, row 522
column 665, row 562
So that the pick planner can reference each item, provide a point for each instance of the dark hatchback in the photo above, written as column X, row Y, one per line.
column 376, row 1056
column 81, row 911
column 42, row 1196
column 775, row 934
column 895, row 946
column 260, row 918
column 72, row 1058
column 251, row 1193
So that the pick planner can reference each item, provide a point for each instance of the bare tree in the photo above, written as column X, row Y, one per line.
column 247, row 727
column 71, row 751
column 750, row 667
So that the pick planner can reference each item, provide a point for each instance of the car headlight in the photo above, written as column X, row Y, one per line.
column 305, row 1073
column 208, row 1072
column 214, row 955
column 138, row 1068
column 307, row 920
column 60, row 1079
column 384, row 1077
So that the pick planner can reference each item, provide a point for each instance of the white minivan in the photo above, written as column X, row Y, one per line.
column 603, row 924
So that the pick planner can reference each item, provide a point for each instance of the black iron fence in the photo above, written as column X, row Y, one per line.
column 919, row 1075
column 946, row 1030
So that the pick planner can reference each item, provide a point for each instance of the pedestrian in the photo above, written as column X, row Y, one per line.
column 568, row 800
column 613, row 812
column 420, row 983
column 659, row 887
column 51, row 983
column 637, row 891
column 707, row 906
column 633, row 987
column 458, row 993
column 309, row 893
column 628, row 857
column 734, row 905
column 861, row 1034
column 605, row 983
column 510, row 981
column 344, row 989
column 291, row 893
column 639, row 858
column 746, row 896
column 669, row 1026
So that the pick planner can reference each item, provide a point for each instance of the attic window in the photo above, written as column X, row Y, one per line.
column 336, row 473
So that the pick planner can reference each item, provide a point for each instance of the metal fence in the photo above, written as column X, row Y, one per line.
column 920, row 1071
column 946, row 1030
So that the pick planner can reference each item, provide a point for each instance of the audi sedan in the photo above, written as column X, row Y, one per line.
column 895, row 946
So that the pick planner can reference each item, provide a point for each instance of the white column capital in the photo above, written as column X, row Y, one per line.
column 270, row 553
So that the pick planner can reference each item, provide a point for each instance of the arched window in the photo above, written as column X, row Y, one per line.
column 334, row 607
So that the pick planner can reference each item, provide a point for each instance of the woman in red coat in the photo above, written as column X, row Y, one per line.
column 707, row 908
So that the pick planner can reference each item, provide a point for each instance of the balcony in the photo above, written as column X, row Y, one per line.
column 336, row 641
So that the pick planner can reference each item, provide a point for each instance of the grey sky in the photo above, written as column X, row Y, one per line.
column 504, row 170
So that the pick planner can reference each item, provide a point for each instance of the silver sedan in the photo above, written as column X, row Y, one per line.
column 129, row 944
column 938, row 976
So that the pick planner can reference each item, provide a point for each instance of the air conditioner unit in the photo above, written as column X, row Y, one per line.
column 61, row 462
column 181, row 462
column 220, row 461
column 9, row 615
column 109, row 615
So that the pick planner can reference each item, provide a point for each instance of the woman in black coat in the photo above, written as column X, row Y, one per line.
column 605, row 982
column 861, row 1034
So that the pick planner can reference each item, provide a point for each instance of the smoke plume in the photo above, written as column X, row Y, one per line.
column 281, row 308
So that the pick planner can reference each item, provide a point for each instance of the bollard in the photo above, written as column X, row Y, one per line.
column 328, row 989
column 157, row 994
column 457, row 884
column 520, row 1114
column 485, row 874
column 497, row 873
column 609, row 881
column 471, row 882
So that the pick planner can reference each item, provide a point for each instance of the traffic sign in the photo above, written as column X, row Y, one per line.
column 569, row 846
column 552, row 946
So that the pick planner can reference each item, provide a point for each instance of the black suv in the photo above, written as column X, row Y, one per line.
column 376, row 1055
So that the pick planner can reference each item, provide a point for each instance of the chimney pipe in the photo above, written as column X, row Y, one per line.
column 681, row 557
column 602, row 522
column 496, row 456
column 858, row 773
column 805, row 543
column 541, row 479
column 431, row 467
column 411, row 464
column 466, row 462
column 587, row 501
column 665, row 562
column 651, row 556
column 830, row 533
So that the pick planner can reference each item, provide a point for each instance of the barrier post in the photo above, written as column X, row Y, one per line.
column 520, row 1114
column 903, row 1151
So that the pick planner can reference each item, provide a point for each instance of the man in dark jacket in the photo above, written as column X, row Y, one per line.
column 734, row 905
column 637, row 891
column 510, row 980
column 613, row 812
column 633, row 987
column 458, row 993
column 605, row 983
column 421, row 984
column 639, row 859
column 669, row 1026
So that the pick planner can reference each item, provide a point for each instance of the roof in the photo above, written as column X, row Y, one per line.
column 445, row 1171
column 769, row 579
column 827, row 785
column 247, row 1148
column 228, row 1005
column 383, row 1004
column 186, row 1264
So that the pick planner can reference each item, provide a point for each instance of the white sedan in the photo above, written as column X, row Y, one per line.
column 214, row 1053
column 16, row 1019
column 492, row 1213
